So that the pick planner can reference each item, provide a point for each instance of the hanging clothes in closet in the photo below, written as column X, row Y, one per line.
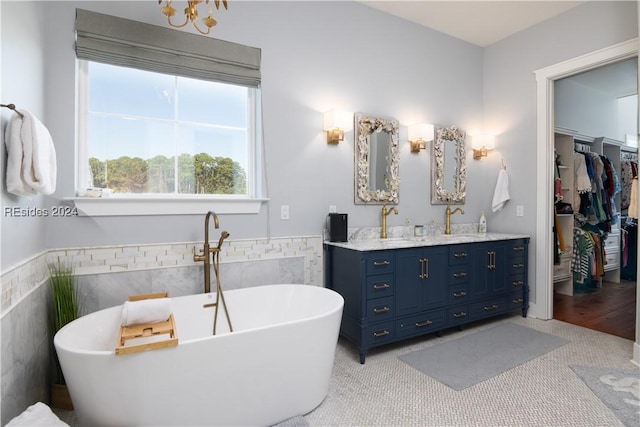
column 596, row 185
column 628, row 171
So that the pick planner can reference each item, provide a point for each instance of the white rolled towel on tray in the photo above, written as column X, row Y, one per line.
column 146, row 311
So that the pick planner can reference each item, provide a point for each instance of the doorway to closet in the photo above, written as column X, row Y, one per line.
column 595, row 231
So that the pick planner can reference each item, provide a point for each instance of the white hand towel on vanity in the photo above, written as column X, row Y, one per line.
column 146, row 311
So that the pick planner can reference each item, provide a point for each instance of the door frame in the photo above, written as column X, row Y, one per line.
column 545, row 77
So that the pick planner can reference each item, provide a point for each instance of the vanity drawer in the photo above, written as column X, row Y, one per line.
column 459, row 254
column 458, row 294
column 380, row 263
column 516, row 282
column 379, row 309
column 518, row 248
column 379, row 286
column 457, row 315
column 458, row 274
column 423, row 323
column 515, row 301
column 379, row 334
column 480, row 310
column 516, row 266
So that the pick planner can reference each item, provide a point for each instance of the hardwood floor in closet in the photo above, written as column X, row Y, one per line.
column 610, row 309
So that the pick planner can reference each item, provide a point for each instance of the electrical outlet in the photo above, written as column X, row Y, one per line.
column 333, row 209
column 519, row 210
column 284, row 212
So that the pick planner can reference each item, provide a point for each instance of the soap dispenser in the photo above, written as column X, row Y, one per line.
column 482, row 224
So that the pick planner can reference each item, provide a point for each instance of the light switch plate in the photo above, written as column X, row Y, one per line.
column 284, row 212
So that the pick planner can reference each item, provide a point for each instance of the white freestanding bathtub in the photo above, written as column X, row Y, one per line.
column 276, row 364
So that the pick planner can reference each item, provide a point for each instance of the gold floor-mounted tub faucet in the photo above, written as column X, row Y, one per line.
column 205, row 256
column 447, row 218
column 205, row 253
column 385, row 213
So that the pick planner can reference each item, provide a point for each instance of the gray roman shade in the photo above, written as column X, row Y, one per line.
column 119, row 41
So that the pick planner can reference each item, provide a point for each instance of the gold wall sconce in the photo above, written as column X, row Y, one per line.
column 336, row 123
column 419, row 135
column 481, row 145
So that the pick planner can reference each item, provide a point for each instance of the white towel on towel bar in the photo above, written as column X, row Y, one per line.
column 501, row 192
column 31, row 161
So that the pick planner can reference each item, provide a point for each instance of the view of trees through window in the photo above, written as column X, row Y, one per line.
column 153, row 133
column 199, row 174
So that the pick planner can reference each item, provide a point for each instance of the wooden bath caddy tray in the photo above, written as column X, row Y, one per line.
column 147, row 330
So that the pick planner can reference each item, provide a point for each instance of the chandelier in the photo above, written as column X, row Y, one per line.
column 191, row 14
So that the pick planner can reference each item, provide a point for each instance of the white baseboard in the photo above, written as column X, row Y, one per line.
column 636, row 354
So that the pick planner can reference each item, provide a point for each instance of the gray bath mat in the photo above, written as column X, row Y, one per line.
column 465, row 361
column 619, row 389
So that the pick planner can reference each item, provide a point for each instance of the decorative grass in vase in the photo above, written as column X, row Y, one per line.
column 65, row 308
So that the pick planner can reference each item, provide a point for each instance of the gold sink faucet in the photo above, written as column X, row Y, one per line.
column 447, row 216
column 386, row 212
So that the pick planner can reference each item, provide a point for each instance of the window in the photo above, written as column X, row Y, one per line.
column 151, row 133
column 166, row 116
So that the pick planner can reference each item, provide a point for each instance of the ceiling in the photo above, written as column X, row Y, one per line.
column 475, row 21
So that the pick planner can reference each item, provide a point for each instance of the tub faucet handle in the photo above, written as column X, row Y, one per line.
column 198, row 258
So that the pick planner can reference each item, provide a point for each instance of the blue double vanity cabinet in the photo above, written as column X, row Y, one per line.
column 400, row 288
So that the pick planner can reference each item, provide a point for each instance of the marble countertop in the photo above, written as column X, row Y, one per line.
column 377, row 244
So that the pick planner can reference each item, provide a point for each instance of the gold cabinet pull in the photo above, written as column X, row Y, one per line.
column 459, row 315
column 518, row 248
column 380, row 263
column 490, row 307
column 459, row 254
column 382, row 333
column 379, row 310
column 381, row 286
column 518, row 265
column 518, row 283
column 517, row 300
column 459, row 294
column 423, row 324
column 459, row 275
column 424, row 268
column 492, row 263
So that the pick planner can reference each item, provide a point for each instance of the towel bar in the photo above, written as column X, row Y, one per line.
column 12, row 107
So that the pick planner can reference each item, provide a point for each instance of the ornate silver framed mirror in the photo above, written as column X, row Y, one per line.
column 448, row 168
column 377, row 158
